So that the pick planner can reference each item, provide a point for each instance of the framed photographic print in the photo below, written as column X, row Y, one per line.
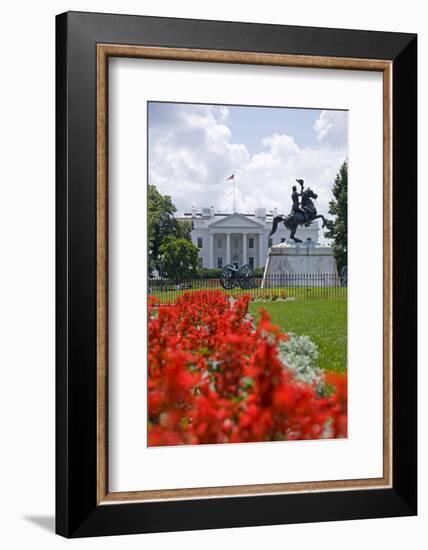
column 236, row 325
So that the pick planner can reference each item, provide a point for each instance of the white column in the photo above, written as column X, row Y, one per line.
column 228, row 248
column 211, row 251
column 261, row 260
column 244, row 248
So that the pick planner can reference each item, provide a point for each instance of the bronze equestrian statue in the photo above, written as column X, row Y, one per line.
column 301, row 214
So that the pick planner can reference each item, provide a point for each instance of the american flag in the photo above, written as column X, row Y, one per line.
column 231, row 178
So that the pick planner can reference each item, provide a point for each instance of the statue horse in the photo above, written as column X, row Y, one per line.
column 294, row 219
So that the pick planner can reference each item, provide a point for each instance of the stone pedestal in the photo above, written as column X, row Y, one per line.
column 300, row 264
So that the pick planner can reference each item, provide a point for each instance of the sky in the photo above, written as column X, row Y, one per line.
column 194, row 148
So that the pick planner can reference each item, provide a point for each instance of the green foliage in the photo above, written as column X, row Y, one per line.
column 183, row 229
column 179, row 258
column 338, row 228
column 162, row 224
column 258, row 272
column 208, row 273
column 324, row 321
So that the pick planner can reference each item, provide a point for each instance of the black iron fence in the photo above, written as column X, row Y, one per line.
column 270, row 288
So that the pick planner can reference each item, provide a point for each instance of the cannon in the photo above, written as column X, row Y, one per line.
column 243, row 277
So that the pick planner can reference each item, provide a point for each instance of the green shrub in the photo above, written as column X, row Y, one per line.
column 208, row 273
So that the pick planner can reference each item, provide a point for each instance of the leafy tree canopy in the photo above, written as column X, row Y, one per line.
column 179, row 258
column 162, row 223
column 338, row 227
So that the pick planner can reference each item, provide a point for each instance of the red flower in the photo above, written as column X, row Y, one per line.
column 214, row 377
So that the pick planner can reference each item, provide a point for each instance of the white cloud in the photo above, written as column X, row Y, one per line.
column 192, row 152
column 332, row 127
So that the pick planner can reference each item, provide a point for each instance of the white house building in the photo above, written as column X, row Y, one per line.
column 238, row 239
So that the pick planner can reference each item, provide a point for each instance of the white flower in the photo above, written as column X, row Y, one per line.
column 300, row 355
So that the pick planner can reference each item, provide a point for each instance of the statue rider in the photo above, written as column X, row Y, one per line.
column 296, row 207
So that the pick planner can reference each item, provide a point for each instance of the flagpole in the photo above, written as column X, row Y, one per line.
column 232, row 178
column 234, row 201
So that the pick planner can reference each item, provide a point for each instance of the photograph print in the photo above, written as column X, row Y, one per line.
column 247, row 274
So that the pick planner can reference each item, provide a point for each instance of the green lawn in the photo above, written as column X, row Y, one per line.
column 324, row 321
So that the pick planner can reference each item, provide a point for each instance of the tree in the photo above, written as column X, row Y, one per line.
column 183, row 229
column 162, row 224
column 338, row 227
column 179, row 258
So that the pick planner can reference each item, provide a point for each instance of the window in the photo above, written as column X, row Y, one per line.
column 200, row 243
column 219, row 243
column 251, row 261
column 200, row 262
column 235, row 243
column 219, row 262
column 251, row 242
column 283, row 240
column 270, row 242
